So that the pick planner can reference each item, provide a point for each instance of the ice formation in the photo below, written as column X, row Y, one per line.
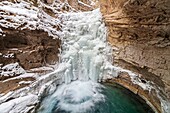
column 85, row 53
column 83, row 62
column 85, row 59
column 19, row 105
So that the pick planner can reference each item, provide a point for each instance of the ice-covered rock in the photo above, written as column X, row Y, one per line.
column 12, row 69
column 20, row 105
column 84, row 46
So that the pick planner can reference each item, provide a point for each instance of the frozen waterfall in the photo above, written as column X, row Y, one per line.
column 85, row 60
column 85, row 53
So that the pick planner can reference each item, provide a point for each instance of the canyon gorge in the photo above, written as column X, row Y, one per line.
column 45, row 43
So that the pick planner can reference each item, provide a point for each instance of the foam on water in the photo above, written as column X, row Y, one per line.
column 76, row 97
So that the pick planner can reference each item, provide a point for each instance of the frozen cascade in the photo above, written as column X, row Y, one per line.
column 85, row 60
column 86, row 54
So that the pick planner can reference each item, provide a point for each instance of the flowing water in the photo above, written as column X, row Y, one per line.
column 86, row 60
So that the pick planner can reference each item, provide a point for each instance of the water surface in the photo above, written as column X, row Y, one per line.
column 90, row 97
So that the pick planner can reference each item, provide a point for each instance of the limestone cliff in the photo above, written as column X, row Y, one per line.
column 28, row 43
column 139, row 31
column 29, row 37
column 30, row 48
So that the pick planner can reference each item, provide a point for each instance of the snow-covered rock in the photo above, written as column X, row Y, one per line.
column 19, row 105
column 13, row 69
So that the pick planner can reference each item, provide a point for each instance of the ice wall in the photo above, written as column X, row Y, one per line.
column 86, row 55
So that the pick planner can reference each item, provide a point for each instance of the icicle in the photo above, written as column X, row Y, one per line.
column 85, row 47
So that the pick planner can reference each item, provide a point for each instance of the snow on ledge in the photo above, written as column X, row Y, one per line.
column 12, row 69
column 23, row 15
column 19, row 105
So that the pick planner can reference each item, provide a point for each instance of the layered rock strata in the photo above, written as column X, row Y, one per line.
column 139, row 31
column 30, row 48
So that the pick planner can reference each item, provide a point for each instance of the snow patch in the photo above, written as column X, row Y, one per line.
column 80, row 2
column 25, row 75
column 135, row 78
column 25, row 82
column 1, row 32
column 12, row 69
column 43, row 69
column 23, row 15
column 165, row 106
column 10, row 55
column 19, row 9
column 19, row 105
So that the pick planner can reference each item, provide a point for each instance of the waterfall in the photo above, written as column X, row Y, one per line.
column 85, row 53
column 85, row 60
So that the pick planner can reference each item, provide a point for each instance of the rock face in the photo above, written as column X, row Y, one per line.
column 84, row 5
column 35, row 48
column 30, row 48
column 139, row 31
column 30, row 37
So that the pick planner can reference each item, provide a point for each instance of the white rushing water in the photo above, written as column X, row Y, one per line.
column 76, row 97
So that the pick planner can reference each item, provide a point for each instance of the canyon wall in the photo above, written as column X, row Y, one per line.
column 34, row 48
column 139, row 31
column 30, row 38
column 30, row 48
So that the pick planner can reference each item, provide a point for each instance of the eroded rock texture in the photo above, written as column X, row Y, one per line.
column 139, row 31
column 30, row 48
